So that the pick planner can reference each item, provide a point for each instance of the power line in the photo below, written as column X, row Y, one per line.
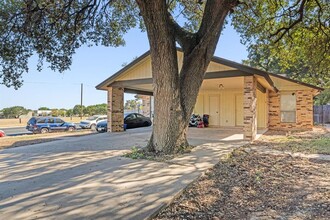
column 52, row 83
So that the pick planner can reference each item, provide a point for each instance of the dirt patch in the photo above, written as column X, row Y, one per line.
column 143, row 153
column 23, row 140
column 249, row 185
column 316, row 141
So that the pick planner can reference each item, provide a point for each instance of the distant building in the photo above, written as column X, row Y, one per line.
column 43, row 113
column 28, row 115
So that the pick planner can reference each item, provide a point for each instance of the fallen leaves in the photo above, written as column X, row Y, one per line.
column 249, row 185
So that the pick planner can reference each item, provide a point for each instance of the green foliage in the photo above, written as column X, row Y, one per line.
column 323, row 98
column 53, row 30
column 136, row 153
column 78, row 109
column 284, row 36
column 132, row 104
column 290, row 37
column 14, row 112
column 99, row 109
column 43, row 108
column 69, row 113
column 58, row 112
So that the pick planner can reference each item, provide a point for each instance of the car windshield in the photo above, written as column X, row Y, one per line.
column 32, row 120
column 92, row 118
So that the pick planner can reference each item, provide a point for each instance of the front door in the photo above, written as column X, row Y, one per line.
column 239, row 110
column 214, row 110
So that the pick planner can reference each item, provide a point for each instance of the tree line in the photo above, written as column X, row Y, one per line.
column 98, row 109
column 17, row 111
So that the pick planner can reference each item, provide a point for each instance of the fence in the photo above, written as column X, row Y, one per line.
column 322, row 114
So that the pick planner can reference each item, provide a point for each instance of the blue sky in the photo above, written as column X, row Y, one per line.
column 91, row 65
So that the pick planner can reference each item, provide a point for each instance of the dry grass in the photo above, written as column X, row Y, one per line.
column 315, row 142
column 248, row 185
column 17, row 141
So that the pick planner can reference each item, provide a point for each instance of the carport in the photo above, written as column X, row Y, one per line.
column 232, row 94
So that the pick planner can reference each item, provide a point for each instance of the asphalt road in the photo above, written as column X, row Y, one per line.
column 15, row 131
column 21, row 131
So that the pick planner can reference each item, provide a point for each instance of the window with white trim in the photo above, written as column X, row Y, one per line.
column 288, row 107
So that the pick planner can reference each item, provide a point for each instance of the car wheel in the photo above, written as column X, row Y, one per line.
column 93, row 127
column 146, row 124
column 44, row 130
column 71, row 129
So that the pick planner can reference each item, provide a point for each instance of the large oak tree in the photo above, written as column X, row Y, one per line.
column 288, row 37
column 54, row 29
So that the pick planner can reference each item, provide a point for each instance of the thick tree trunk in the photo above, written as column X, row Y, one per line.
column 175, row 92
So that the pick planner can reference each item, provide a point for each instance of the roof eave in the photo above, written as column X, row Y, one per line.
column 103, row 85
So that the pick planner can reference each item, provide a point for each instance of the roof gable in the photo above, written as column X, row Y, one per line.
column 140, row 68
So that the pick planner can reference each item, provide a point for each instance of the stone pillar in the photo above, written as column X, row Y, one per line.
column 115, row 109
column 250, row 108
column 304, row 109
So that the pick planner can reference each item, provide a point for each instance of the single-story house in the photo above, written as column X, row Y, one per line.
column 232, row 94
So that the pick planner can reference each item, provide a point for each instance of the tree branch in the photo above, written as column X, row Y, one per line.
column 181, row 35
column 282, row 31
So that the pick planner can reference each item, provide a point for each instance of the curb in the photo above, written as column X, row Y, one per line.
column 13, row 127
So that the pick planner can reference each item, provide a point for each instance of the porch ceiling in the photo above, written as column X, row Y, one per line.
column 223, row 83
column 216, row 84
column 208, row 84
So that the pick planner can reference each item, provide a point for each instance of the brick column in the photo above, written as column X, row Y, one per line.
column 304, row 109
column 115, row 109
column 250, row 108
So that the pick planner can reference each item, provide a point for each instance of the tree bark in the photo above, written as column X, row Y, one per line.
column 175, row 92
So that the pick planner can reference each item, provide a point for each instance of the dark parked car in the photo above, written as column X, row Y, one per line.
column 132, row 120
column 49, row 124
column 102, row 126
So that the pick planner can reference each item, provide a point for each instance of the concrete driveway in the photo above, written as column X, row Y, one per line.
column 86, row 177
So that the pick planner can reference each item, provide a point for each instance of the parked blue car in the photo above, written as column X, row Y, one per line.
column 49, row 124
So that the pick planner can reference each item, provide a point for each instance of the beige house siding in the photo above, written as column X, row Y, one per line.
column 231, row 107
column 142, row 70
column 226, row 100
column 285, row 85
column 304, row 111
column 262, row 109
column 227, row 105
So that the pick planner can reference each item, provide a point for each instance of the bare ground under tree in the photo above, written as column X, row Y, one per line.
column 248, row 185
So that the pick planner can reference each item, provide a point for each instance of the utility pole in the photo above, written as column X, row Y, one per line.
column 81, row 100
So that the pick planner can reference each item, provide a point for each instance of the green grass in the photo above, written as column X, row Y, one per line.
column 136, row 153
column 320, row 145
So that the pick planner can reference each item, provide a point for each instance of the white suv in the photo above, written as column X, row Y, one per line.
column 92, row 121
